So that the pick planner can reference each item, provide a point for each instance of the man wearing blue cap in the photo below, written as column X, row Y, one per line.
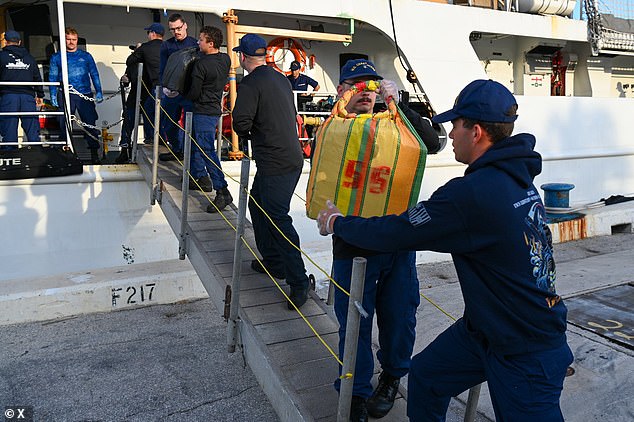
column 264, row 113
column 390, row 285
column 17, row 65
column 148, row 53
column 512, row 332
column 301, row 82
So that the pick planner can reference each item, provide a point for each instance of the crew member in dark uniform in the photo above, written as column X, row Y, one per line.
column 17, row 65
column 148, row 53
column 301, row 82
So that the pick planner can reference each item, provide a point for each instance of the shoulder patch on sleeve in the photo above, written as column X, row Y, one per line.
column 418, row 215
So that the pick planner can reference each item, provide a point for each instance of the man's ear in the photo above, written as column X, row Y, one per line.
column 477, row 133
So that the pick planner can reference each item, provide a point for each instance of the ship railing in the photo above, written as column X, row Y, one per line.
column 32, row 113
column 610, row 27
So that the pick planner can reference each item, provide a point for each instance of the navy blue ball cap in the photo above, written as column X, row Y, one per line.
column 357, row 68
column 156, row 28
column 252, row 45
column 482, row 100
column 295, row 65
column 11, row 35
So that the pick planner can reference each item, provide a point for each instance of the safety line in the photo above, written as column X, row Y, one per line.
column 273, row 223
column 244, row 241
column 437, row 306
column 252, row 199
column 347, row 375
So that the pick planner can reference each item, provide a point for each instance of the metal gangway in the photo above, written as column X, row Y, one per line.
column 291, row 353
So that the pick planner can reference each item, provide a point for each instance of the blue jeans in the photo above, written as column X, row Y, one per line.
column 9, row 124
column 205, row 136
column 390, row 289
column 273, row 194
column 87, row 113
column 174, row 107
column 524, row 388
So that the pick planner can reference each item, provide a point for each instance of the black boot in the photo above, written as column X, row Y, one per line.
column 298, row 296
column 358, row 410
column 220, row 202
column 383, row 397
column 203, row 183
column 94, row 156
column 124, row 156
column 259, row 267
column 168, row 156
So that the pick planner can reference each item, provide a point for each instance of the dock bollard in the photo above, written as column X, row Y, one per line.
column 557, row 195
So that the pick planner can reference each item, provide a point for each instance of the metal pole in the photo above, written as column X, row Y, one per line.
column 182, row 242
column 137, row 105
column 155, row 149
column 61, row 25
column 232, row 326
column 219, row 138
column 330, row 300
column 231, row 20
column 352, row 338
column 472, row 403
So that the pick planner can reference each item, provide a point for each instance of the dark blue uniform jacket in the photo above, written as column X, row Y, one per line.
column 492, row 222
column 302, row 82
column 17, row 65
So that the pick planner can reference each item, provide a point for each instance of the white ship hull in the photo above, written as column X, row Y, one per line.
column 584, row 136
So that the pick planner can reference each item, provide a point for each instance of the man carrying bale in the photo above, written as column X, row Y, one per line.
column 391, row 284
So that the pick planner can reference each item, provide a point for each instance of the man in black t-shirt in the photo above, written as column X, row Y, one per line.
column 264, row 113
column 208, row 78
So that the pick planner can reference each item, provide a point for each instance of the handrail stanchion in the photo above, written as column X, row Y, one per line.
column 330, row 299
column 219, row 138
column 137, row 105
column 472, row 403
column 157, row 123
column 61, row 25
column 187, row 152
column 352, row 338
column 233, row 293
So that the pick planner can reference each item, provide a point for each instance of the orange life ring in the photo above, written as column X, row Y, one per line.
column 290, row 44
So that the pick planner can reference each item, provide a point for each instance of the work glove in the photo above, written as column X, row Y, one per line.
column 54, row 101
column 388, row 89
column 99, row 97
column 326, row 218
column 169, row 93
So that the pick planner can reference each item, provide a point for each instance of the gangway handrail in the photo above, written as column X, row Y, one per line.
column 21, row 83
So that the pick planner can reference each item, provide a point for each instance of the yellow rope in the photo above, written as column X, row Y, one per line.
column 312, row 328
column 437, row 306
column 327, row 274
column 343, row 376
